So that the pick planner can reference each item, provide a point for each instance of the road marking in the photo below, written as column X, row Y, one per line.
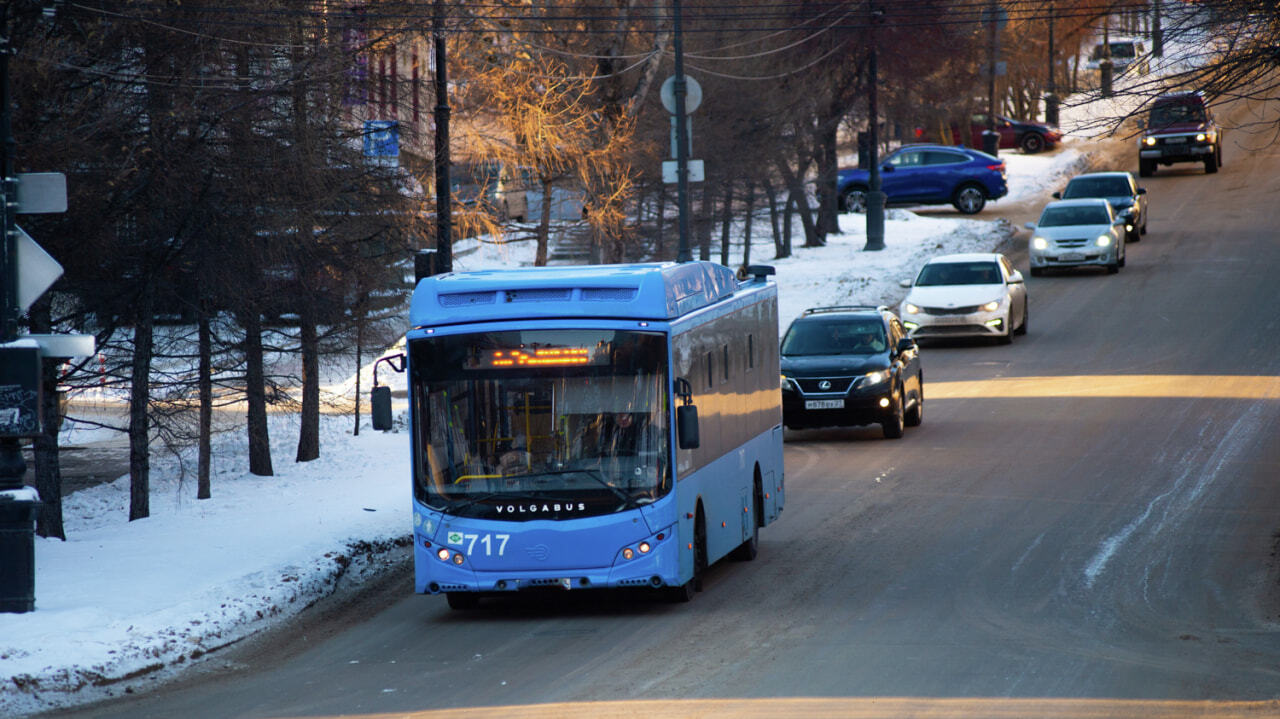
column 1146, row 385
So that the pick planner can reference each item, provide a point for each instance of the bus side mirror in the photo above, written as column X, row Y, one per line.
column 686, row 416
column 687, row 426
column 381, row 409
column 380, row 395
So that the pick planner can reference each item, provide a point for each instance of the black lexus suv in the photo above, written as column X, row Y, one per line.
column 851, row 365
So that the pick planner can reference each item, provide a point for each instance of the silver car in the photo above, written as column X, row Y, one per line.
column 1126, row 198
column 1077, row 233
column 966, row 295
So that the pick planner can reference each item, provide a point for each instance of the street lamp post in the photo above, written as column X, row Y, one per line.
column 875, row 197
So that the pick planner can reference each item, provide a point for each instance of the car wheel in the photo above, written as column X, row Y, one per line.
column 1032, row 142
column 894, row 424
column 1022, row 328
column 914, row 417
column 855, row 200
column 1210, row 164
column 969, row 199
column 1146, row 168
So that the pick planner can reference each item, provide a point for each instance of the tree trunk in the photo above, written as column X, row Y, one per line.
column 204, row 380
column 706, row 212
column 139, row 420
column 360, row 319
column 780, row 249
column 255, row 392
column 660, row 248
column 746, row 228
column 48, row 472
column 309, row 419
column 544, row 225
column 828, row 161
column 786, row 225
column 726, row 219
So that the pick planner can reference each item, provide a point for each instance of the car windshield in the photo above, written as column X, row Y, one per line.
column 1081, row 215
column 981, row 272
column 1097, row 187
column 1172, row 113
column 833, row 336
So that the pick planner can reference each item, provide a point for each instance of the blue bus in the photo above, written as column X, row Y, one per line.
column 601, row 426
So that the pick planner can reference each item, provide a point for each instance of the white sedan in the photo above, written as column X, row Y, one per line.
column 1078, row 233
column 967, row 295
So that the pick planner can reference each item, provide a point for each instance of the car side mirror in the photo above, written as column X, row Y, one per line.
column 906, row 344
column 1142, row 190
column 1030, row 226
column 904, row 283
column 886, row 167
column 1057, row 195
column 1015, row 278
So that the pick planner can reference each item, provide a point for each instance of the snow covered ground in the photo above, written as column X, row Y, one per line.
column 146, row 599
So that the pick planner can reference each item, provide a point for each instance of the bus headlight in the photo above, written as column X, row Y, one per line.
column 443, row 554
column 457, row 558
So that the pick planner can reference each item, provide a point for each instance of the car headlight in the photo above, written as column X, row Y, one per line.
column 787, row 384
column 1039, row 243
column 910, row 308
column 876, row 377
column 1149, row 141
column 991, row 306
column 1103, row 241
column 1201, row 137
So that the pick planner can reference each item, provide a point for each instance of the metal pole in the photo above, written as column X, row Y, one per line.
column 444, row 201
column 875, row 197
column 1051, row 88
column 9, row 257
column 1157, row 33
column 991, row 69
column 680, row 89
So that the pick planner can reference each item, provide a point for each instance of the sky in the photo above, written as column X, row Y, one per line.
column 118, row 597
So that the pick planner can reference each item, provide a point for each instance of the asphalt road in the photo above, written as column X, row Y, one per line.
column 1099, row 540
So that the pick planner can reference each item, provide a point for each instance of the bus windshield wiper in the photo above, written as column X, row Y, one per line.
column 452, row 509
column 595, row 474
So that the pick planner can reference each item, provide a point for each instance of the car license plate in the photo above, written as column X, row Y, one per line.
column 1174, row 140
column 824, row 404
column 1070, row 257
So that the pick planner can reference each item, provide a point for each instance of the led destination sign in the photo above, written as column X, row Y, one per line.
column 531, row 357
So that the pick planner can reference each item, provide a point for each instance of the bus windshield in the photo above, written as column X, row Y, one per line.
column 540, row 424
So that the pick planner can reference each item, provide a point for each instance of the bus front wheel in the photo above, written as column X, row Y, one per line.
column 462, row 600
column 685, row 592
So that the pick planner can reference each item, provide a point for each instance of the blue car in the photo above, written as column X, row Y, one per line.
column 928, row 175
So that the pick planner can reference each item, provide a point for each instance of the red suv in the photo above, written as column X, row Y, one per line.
column 1179, row 128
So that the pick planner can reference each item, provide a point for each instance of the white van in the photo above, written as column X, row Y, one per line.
column 1126, row 53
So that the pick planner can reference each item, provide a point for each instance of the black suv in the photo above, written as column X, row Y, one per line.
column 851, row 365
column 1179, row 128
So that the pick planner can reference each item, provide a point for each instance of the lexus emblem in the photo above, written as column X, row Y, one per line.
column 824, row 384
